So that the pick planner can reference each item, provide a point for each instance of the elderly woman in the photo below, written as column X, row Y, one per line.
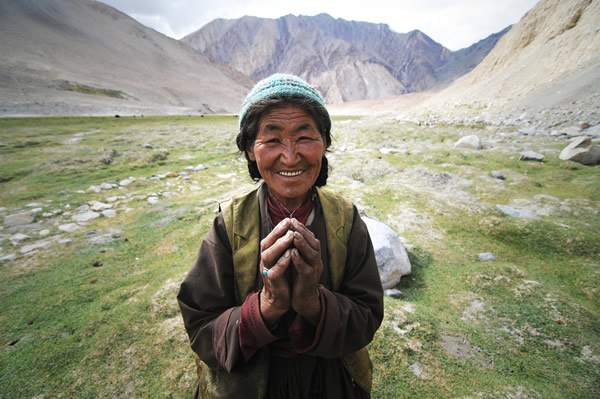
column 285, row 293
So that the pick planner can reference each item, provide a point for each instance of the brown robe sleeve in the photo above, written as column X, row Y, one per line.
column 208, row 304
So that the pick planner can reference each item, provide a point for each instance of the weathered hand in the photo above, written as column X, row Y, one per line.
column 306, row 257
column 275, row 256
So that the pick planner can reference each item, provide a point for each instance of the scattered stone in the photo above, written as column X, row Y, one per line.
column 498, row 175
column 44, row 233
column 18, row 219
column 391, row 151
column 183, row 174
column 528, row 132
column 109, row 213
column 392, row 259
column 93, row 189
column 69, row 228
column 152, row 200
column 190, row 168
column 517, row 212
column 65, row 241
column 417, row 370
column 487, row 257
column 125, row 182
column 33, row 205
column 471, row 142
column 106, row 186
column 155, row 178
column 168, row 194
column 581, row 150
column 85, row 216
column 573, row 131
column 97, row 263
column 18, row 238
column 36, row 245
column 8, row 258
column 47, row 214
column 593, row 131
column 200, row 167
column 531, row 156
column 83, row 208
column 393, row 292
column 100, row 206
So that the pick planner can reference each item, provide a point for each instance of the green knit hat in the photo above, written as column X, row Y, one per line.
column 279, row 84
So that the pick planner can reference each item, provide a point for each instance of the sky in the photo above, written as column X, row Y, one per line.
column 454, row 24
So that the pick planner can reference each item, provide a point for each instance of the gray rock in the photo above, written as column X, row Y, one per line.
column 93, row 189
column 487, row 257
column 65, row 241
column 44, row 233
column 18, row 238
column 85, row 216
column 100, row 206
column 69, row 228
column 393, row 292
column 531, row 156
column 200, row 167
column 18, row 219
column 106, row 186
column 516, row 212
column 109, row 213
column 168, row 194
column 8, row 258
column 36, row 245
column 472, row 142
column 392, row 259
column 183, row 173
column 593, row 131
column 125, row 182
column 528, row 132
column 497, row 175
column 581, row 150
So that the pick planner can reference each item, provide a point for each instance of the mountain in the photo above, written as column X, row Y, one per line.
column 66, row 57
column 345, row 60
column 551, row 57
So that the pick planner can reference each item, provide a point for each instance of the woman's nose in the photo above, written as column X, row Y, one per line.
column 289, row 153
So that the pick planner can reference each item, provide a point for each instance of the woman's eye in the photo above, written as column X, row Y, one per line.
column 273, row 141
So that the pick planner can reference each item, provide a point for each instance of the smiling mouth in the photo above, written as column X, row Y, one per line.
column 291, row 174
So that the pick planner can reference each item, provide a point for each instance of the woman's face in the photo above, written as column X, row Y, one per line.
column 288, row 151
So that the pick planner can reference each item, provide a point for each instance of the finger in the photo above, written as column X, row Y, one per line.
column 277, row 271
column 278, row 232
column 310, row 252
column 270, row 255
column 308, row 235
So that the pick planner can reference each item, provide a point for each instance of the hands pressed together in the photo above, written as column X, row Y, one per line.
column 290, row 242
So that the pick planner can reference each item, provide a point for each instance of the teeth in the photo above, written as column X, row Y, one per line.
column 299, row 172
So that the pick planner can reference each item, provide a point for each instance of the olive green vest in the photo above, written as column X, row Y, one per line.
column 242, row 221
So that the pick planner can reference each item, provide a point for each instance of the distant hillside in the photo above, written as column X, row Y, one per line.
column 346, row 60
column 551, row 57
column 84, row 57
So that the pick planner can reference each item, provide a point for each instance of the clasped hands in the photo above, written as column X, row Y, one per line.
column 290, row 243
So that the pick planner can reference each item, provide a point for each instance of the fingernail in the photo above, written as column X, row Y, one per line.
column 297, row 235
column 286, row 254
column 289, row 234
column 295, row 252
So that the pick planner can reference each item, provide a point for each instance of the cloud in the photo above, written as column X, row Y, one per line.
column 452, row 23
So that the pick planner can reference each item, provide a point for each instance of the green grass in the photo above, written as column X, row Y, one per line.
column 93, row 91
column 101, row 320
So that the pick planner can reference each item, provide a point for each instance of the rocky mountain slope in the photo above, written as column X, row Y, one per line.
column 544, row 72
column 549, row 60
column 346, row 60
column 61, row 57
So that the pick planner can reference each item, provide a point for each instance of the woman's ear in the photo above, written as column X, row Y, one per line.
column 250, row 152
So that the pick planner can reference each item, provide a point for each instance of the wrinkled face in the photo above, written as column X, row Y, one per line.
column 288, row 151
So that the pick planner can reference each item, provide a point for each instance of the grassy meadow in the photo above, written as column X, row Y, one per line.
column 91, row 312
